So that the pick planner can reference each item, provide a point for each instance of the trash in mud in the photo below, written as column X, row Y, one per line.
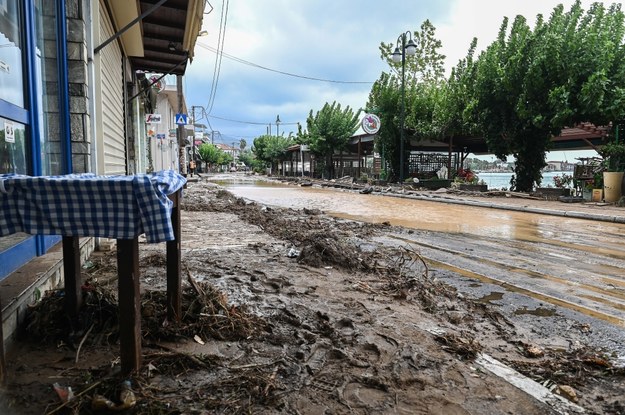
column 127, row 400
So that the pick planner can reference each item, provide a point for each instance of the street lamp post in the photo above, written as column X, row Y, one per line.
column 398, row 55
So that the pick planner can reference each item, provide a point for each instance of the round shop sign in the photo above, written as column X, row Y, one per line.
column 371, row 124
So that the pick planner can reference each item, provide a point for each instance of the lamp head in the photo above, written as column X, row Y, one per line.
column 396, row 55
column 411, row 48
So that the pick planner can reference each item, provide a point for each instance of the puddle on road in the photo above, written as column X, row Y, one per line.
column 539, row 312
column 489, row 298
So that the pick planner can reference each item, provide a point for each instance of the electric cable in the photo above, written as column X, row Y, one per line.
column 255, row 65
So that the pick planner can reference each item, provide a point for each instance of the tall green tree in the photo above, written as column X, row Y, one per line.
column 209, row 154
column 532, row 83
column 426, row 65
column 329, row 131
column 424, row 74
column 271, row 149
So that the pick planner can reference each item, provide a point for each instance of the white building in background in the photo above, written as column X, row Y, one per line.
column 162, row 145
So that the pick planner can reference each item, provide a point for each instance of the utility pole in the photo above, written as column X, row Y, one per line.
column 181, row 130
column 194, row 122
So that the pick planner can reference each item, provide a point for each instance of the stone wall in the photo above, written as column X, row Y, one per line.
column 78, row 85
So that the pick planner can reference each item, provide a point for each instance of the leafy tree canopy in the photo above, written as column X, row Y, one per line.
column 271, row 149
column 329, row 130
column 424, row 72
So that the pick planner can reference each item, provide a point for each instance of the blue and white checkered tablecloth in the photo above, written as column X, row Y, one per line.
column 120, row 207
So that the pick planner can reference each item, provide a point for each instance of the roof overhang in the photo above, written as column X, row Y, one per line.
column 164, row 39
column 123, row 12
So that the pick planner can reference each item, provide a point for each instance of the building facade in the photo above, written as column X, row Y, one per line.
column 74, row 95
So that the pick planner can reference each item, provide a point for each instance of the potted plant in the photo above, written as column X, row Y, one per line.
column 613, row 154
column 597, row 190
column 468, row 180
column 560, row 188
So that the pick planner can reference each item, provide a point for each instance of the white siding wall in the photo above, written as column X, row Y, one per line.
column 110, row 131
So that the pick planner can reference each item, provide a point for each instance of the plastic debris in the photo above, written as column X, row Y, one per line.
column 293, row 253
column 65, row 392
column 126, row 397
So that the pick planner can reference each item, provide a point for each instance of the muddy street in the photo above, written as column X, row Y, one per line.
column 292, row 311
column 516, row 261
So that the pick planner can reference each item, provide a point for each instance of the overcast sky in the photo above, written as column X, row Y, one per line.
column 332, row 40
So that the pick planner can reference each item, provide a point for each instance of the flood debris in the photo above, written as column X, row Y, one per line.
column 347, row 326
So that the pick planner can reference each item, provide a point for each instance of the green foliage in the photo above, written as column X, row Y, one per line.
column 614, row 155
column 426, row 65
column 247, row 157
column 271, row 149
column 532, row 83
column 329, row 130
column 214, row 156
column 424, row 75
column 209, row 154
column 385, row 97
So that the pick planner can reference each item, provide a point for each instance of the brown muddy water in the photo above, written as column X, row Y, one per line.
column 423, row 215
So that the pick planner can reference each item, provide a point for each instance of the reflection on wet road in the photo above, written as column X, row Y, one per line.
column 571, row 263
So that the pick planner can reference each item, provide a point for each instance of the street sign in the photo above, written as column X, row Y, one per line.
column 182, row 119
column 152, row 118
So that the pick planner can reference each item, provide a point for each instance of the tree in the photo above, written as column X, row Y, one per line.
column 242, row 144
column 271, row 149
column 329, row 130
column 532, row 83
column 424, row 75
column 426, row 65
column 209, row 154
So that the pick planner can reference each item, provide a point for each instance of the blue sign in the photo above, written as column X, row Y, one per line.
column 182, row 119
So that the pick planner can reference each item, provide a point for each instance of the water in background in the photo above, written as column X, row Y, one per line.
column 502, row 180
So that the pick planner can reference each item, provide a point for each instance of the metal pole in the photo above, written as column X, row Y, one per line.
column 403, row 108
column 182, row 165
column 194, row 122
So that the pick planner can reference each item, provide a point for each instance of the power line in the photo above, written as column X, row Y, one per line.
column 255, row 65
column 220, row 44
column 250, row 122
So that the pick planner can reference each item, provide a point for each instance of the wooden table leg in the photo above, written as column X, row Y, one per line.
column 71, row 275
column 129, row 305
column 174, row 284
column 3, row 364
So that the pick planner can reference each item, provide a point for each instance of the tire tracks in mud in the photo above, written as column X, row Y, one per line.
column 528, row 268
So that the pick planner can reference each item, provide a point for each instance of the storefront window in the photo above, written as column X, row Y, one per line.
column 11, row 47
column 12, row 147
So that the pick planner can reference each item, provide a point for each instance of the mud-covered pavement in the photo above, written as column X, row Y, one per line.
column 295, row 312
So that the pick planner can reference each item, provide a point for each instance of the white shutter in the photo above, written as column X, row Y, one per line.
column 111, row 117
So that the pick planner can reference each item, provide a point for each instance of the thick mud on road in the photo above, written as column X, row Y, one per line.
column 520, row 262
column 291, row 311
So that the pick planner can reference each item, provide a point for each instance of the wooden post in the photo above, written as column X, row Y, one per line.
column 174, row 284
column 71, row 275
column 129, row 305
column 3, row 363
